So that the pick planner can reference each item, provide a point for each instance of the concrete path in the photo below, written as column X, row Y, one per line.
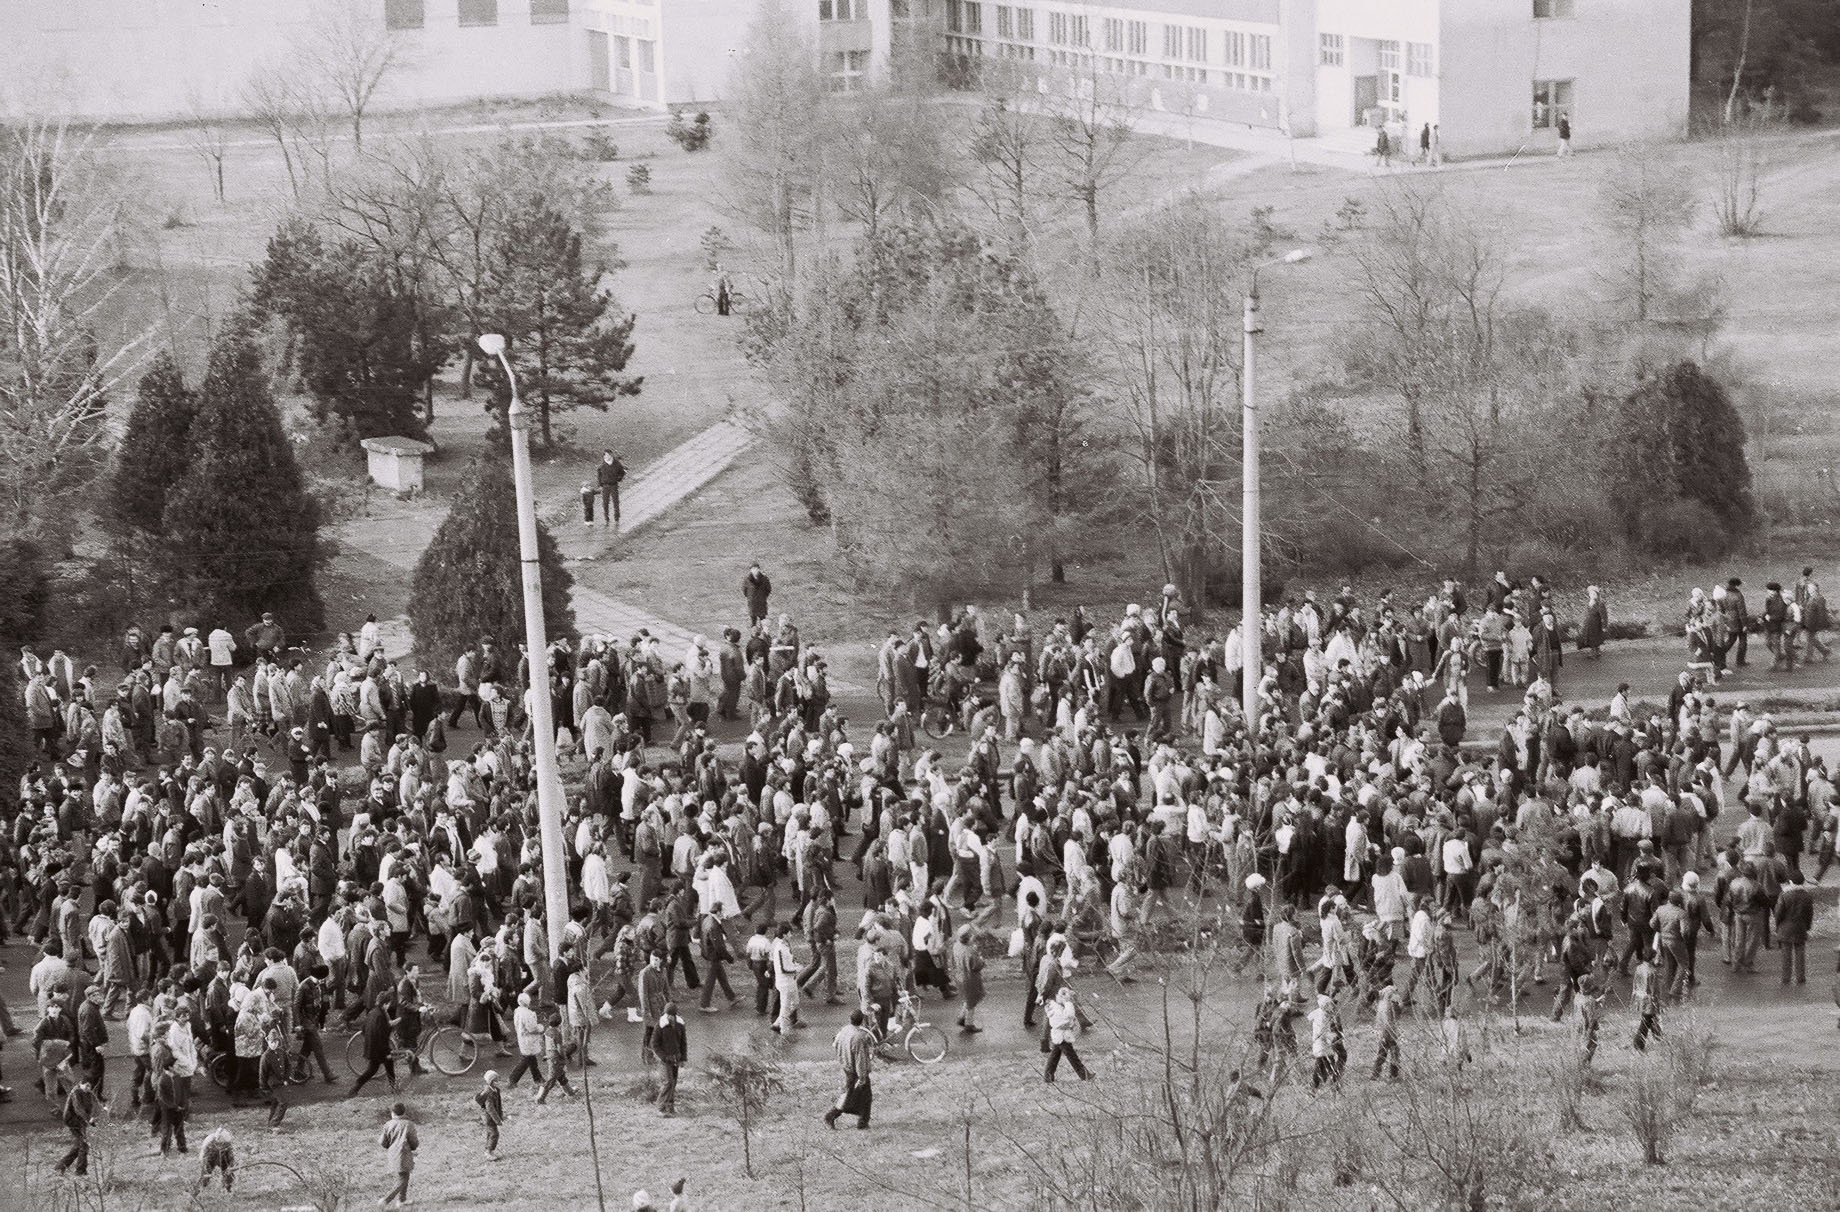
column 398, row 538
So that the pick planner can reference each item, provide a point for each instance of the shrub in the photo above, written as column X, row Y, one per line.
column 1686, row 531
column 639, row 179
column 692, row 136
column 598, row 144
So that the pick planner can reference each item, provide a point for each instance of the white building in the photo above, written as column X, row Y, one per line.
column 1493, row 75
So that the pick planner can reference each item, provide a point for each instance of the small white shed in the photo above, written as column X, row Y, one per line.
column 396, row 463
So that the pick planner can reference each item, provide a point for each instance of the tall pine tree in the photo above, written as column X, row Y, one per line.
column 242, row 530
column 469, row 582
column 155, row 449
column 1680, row 440
column 565, row 332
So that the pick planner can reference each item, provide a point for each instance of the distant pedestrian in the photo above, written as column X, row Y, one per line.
column 671, row 1044
column 1424, row 144
column 79, row 1113
column 1565, row 135
column 608, row 475
column 1063, row 1030
column 587, row 502
column 855, row 1045
column 756, row 587
column 399, row 1143
column 491, row 1102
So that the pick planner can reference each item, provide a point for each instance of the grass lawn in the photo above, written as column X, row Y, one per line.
column 959, row 1136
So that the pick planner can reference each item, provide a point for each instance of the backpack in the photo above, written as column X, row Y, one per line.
column 1123, row 663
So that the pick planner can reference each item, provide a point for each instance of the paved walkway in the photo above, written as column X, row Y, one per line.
column 398, row 538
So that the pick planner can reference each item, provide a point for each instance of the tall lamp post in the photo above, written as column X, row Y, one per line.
column 1250, row 588
column 536, row 641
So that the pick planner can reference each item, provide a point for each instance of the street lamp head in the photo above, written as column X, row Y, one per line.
column 492, row 345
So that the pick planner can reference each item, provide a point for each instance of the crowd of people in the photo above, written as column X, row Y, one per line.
column 231, row 843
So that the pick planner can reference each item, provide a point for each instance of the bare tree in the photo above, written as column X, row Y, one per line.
column 350, row 53
column 1644, row 205
column 1091, row 123
column 1006, row 150
column 266, row 95
column 61, row 219
column 208, row 136
column 773, row 154
column 890, row 155
column 1740, row 165
column 1737, row 70
column 292, row 108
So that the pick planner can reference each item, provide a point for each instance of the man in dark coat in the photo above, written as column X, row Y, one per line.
column 756, row 588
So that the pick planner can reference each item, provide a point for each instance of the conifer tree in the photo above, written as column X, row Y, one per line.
column 566, row 335
column 154, row 450
column 469, row 583
column 242, row 530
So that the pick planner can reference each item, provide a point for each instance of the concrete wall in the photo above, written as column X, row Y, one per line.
column 140, row 60
column 1628, row 58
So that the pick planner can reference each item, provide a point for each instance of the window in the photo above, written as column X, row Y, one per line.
column 1544, row 10
column 1261, row 52
column 847, row 70
column 1389, row 56
column 974, row 18
column 1025, row 25
column 1080, row 35
column 1172, row 42
column 1114, row 33
column 647, row 52
column 1137, row 37
column 404, row 14
column 1236, row 49
column 1057, row 28
column 1197, row 45
column 1006, row 21
column 1334, row 49
column 1552, row 100
column 478, row 12
column 549, row 12
column 623, row 50
column 1420, row 60
column 955, row 16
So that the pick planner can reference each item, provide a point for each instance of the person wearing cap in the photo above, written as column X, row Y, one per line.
column 399, row 1143
column 491, row 1103
column 1777, row 633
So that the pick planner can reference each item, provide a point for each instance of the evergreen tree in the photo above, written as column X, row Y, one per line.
column 565, row 333
column 469, row 582
column 358, row 331
column 242, row 530
column 154, row 450
column 1679, row 456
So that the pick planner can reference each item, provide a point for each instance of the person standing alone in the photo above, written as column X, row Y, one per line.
column 608, row 475
column 400, row 1143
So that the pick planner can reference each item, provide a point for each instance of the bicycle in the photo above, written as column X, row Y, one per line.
column 908, row 1036
column 706, row 302
column 450, row 1050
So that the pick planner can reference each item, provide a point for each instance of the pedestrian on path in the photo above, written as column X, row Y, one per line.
column 491, row 1103
column 587, row 502
column 608, row 475
column 855, row 1047
column 1063, row 1030
column 399, row 1143
column 671, row 1043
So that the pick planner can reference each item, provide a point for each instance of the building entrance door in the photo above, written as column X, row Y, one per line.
column 1366, row 97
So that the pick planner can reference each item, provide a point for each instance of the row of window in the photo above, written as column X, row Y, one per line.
column 843, row 10
column 1420, row 57
column 1118, row 36
column 975, row 47
column 413, row 14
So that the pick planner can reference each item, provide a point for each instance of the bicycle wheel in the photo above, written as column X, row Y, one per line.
column 452, row 1051
column 705, row 305
column 926, row 1043
column 936, row 721
column 219, row 1069
column 356, row 1057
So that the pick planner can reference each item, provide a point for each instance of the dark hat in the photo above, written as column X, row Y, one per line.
column 1774, row 586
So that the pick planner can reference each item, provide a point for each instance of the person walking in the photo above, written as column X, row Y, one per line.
column 555, row 1063
column 1386, row 1026
column 1565, row 135
column 1794, row 919
column 756, row 587
column 399, row 1143
column 855, row 1047
column 1063, row 1030
column 587, row 502
column 968, row 974
column 529, row 1029
column 671, row 1044
column 79, row 1113
column 491, row 1103
column 608, row 476
column 379, row 1045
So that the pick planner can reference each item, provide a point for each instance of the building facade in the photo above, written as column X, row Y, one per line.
column 1495, row 76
